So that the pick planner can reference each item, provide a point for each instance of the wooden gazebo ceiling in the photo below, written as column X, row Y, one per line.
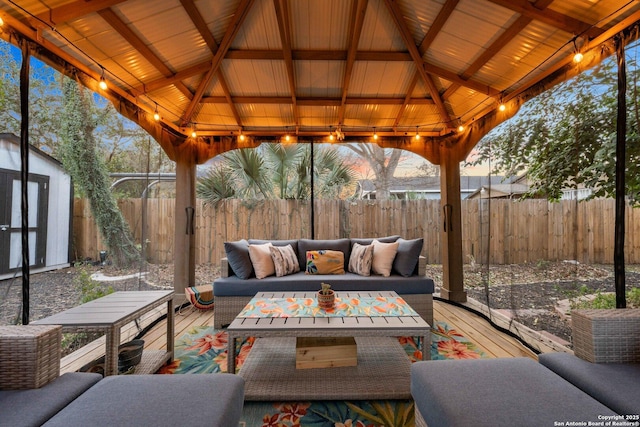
column 308, row 67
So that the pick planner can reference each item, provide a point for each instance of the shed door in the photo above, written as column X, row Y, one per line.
column 11, row 220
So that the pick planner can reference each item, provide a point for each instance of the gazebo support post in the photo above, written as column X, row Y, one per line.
column 184, row 258
column 451, row 231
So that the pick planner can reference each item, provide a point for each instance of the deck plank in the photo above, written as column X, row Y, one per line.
column 493, row 342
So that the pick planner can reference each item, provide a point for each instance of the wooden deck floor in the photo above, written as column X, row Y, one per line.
column 490, row 340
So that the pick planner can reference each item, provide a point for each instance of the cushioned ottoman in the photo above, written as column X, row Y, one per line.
column 157, row 400
column 497, row 392
column 33, row 407
column 617, row 385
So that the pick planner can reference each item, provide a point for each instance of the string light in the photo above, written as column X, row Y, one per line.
column 417, row 134
column 460, row 128
column 1, row 21
column 330, row 134
column 241, row 137
column 502, row 107
column 193, row 131
column 156, row 115
column 375, row 134
column 577, row 56
column 102, row 84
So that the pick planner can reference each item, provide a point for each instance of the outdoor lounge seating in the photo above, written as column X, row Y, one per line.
column 238, row 282
column 81, row 399
column 561, row 388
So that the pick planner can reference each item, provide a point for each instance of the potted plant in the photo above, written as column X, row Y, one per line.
column 326, row 296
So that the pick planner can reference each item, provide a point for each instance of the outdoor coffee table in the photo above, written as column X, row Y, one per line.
column 373, row 318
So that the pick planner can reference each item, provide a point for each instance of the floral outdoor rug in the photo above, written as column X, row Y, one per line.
column 204, row 350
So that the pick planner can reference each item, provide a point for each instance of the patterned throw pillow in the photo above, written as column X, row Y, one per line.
column 285, row 260
column 360, row 259
column 383, row 256
column 325, row 262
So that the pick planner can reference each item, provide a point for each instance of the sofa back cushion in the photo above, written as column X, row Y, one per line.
column 342, row 245
column 367, row 240
column 406, row 260
column 238, row 257
column 325, row 262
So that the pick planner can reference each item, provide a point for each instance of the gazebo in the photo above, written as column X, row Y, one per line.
column 431, row 77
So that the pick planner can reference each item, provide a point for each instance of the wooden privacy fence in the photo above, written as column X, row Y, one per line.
column 496, row 231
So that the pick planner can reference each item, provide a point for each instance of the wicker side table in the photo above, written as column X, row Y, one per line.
column 607, row 335
column 29, row 356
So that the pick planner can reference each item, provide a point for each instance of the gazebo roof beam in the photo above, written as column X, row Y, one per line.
column 284, row 28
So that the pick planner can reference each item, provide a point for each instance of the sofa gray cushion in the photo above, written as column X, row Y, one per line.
column 35, row 406
column 293, row 243
column 406, row 259
column 238, row 257
column 367, row 241
column 157, row 400
column 498, row 392
column 617, row 385
column 234, row 286
column 342, row 245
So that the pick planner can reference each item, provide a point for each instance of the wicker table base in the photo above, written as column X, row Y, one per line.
column 382, row 373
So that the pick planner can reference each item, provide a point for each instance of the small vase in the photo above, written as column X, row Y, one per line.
column 326, row 301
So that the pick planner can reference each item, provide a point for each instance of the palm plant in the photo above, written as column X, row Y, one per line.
column 275, row 171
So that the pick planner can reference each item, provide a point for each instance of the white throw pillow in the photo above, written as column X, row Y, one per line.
column 383, row 256
column 261, row 259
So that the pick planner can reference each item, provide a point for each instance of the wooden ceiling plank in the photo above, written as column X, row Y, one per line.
column 438, row 24
column 234, row 26
column 201, row 25
column 75, row 10
column 139, row 45
column 396, row 14
column 284, row 28
column 407, row 100
column 168, row 81
column 550, row 17
column 355, row 30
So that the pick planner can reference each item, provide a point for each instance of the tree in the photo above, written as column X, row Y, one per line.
column 280, row 171
column 383, row 163
column 79, row 154
column 565, row 137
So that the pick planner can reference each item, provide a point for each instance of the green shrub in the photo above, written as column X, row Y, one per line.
column 608, row 300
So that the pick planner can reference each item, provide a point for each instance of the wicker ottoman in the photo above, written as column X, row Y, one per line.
column 607, row 336
column 30, row 356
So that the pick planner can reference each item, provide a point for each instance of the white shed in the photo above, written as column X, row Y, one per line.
column 50, row 210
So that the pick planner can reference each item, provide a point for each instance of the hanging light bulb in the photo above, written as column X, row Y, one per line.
column 241, row 137
column 287, row 138
column 375, row 134
column 156, row 115
column 193, row 131
column 1, row 21
column 330, row 134
column 417, row 134
column 577, row 56
column 460, row 128
column 502, row 107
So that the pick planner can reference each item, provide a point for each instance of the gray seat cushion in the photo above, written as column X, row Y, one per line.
column 617, row 385
column 35, row 406
column 498, row 392
column 234, row 286
column 157, row 400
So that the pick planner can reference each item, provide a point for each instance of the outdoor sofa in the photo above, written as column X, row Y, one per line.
column 598, row 385
column 32, row 393
column 405, row 274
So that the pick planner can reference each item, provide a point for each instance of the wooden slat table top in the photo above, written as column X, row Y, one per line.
column 114, row 309
column 346, row 324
